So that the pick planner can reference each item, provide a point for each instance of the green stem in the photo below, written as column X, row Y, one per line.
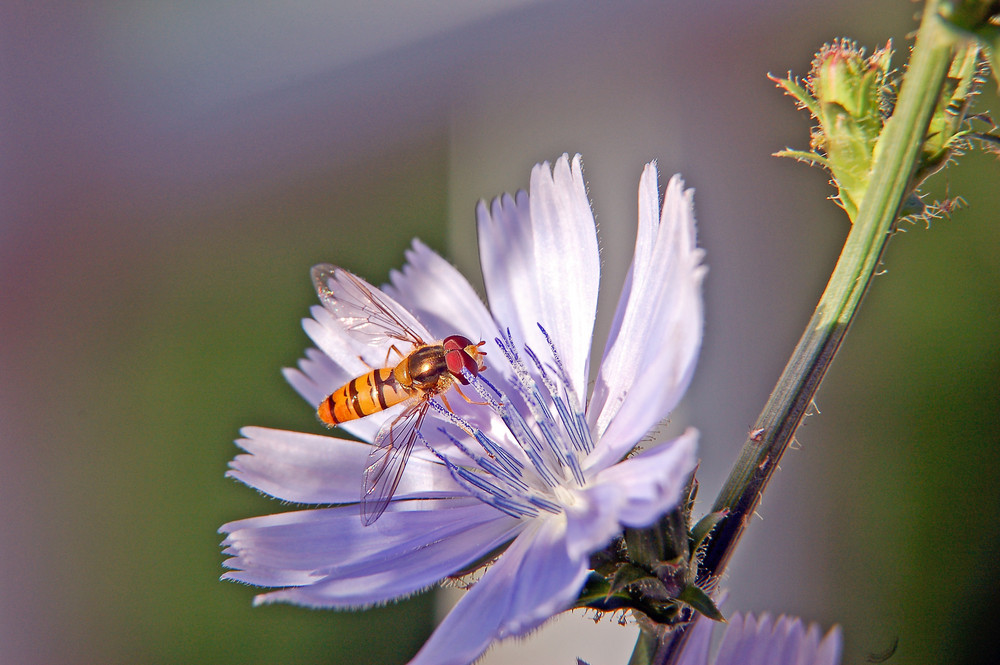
column 645, row 649
column 899, row 148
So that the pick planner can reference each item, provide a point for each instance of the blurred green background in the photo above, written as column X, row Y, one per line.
column 169, row 173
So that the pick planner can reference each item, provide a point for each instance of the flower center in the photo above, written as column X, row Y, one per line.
column 565, row 496
column 533, row 461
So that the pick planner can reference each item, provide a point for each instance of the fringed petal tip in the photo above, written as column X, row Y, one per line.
column 439, row 295
column 786, row 640
column 564, row 244
column 656, row 334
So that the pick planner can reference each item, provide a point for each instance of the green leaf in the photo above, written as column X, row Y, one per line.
column 652, row 590
column 810, row 158
column 705, row 526
column 595, row 590
column 701, row 602
column 625, row 575
column 793, row 89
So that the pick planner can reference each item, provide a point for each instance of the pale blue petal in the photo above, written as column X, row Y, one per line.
column 315, row 375
column 649, row 362
column 309, row 468
column 698, row 643
column 652, row 481
column 830, row 648
column 408, row 575
column 440, row 296
column 763, row 641
column 332, row 560
column 737, row 640
column 533, row 580
column 787, row 640
column 541, row 265
column 633, row 493
column 507, row 255
column 567, row 264
column 606, row 398
column 760, row 643
column 330, row 336
column 808, row 645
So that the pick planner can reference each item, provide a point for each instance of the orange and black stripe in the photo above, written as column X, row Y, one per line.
column 362, row 396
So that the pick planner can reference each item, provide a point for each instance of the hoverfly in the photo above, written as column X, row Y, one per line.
column 426, row 371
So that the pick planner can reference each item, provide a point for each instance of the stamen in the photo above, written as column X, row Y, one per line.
column 569, row 422
column 458, row 444
column 504, row 503
column 529, row 393
column 577, row 424
column 549, row 385
column 583, row 432
column 555, row 355
column 480, row 487
column 511, row 464
column 492, row 466
column 495, row 390
column 481, row 482
column 545, row 504
column 508, row 349
column 544, row 419
column 570, row 419
column 514, row 509
column 477, row 383
column 522, row 433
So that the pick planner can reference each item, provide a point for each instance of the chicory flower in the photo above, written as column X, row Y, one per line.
column 534, row 465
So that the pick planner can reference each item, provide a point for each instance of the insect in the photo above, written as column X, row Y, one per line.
column 426, row 371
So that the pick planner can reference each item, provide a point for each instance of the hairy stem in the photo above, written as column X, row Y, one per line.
column 900, row 146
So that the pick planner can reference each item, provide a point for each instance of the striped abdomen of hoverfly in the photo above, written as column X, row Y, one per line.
column 362, row 396
column 428, row 370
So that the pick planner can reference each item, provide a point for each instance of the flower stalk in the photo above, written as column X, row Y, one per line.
column 896, row 160
column 902, row 141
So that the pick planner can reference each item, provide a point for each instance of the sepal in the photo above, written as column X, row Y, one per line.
column 701, row 602
column 654, row 571
column 701, row 531
column 851, row 97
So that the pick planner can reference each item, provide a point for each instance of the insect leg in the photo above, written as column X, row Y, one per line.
column 458, row 420
column 393, row 349
column 466, row 398
column 455, row 418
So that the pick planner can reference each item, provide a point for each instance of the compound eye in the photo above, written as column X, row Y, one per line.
column 457, row 358
column 456, row 342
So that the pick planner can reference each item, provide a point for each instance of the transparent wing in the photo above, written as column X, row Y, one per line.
column 387, row 459
column 367, row 314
